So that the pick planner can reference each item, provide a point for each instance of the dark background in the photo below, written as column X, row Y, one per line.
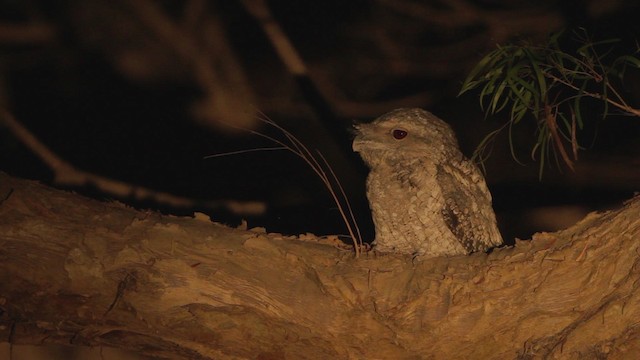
column 110, row 88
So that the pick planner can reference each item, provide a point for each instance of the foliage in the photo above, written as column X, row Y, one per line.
column 549, row 83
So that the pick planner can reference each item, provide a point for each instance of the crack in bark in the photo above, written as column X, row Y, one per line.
column 7, row 196
column 123, row 285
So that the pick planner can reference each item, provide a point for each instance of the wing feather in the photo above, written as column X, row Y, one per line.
column 467, row 207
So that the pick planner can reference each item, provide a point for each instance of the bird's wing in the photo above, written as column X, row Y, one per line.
column 467, row 207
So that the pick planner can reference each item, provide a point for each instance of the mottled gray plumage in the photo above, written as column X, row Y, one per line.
column 426, row 198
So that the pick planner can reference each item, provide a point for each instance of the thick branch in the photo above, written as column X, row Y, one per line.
column 79, row 271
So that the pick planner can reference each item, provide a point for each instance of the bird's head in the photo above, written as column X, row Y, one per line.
column 402, row 133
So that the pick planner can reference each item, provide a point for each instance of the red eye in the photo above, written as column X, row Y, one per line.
column 399, row 134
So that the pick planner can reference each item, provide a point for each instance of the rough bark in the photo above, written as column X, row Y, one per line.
column 76, row 270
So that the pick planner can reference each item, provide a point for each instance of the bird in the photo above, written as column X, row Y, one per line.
column 426, row 198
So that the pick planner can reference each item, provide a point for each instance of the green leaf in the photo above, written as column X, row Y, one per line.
column 578, row 114
column 554, row 38
column 511, row 146
column 481, row 153
column 542, row 84
column 518, row 111
column 623, row 61
column 526, row 93
column 485, row 63
column 542, row 146
column 566, row 133
column 496, row 96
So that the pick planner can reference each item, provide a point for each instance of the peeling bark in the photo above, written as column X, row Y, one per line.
column 76, row 270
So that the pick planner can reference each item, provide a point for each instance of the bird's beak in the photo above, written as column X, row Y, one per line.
column 355, row 128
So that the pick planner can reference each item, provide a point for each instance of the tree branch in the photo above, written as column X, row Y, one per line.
column 65, row 174
column 620, row 105
column 83, row 272
column 215, row 66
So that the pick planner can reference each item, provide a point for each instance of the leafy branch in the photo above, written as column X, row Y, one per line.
column 549, row 84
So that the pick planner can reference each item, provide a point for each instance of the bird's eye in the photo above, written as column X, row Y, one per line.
column 399, row 134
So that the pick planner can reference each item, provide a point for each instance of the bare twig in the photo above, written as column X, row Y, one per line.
column 501, row 24
column 285, row 49
column 617, row 103
column 551, row 120
column 29, row 33
column 67, row 175
column 227, row 92
column 351, row 223
column 320, row 167
column 296, row 66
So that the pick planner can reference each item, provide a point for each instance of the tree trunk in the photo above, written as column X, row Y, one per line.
column 79, row 271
